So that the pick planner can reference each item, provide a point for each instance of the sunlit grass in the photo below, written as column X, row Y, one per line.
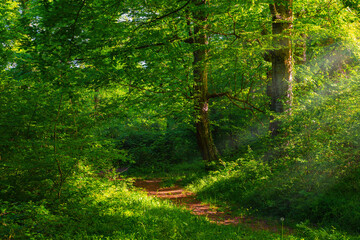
column 102, row 209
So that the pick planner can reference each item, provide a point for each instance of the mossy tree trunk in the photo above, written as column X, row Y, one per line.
column 200, row 73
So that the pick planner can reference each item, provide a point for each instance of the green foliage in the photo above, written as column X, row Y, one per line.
column 310, row 233
column 235, row 181
column 99, row 84
column 153, row 144
column 314, row 170
column 101, row 209
column 44, row 133
column 319, row 171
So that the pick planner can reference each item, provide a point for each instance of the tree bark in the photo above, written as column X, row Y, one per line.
column 282, row 62
column 200, row 73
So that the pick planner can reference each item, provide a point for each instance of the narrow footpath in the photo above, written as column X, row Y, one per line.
column 180, row 196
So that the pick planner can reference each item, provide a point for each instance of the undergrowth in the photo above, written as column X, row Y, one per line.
column 312, row 174
column 96, row 208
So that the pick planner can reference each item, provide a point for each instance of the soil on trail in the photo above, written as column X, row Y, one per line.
column 180, row 196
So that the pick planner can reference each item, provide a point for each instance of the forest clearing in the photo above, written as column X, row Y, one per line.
column 180, row 119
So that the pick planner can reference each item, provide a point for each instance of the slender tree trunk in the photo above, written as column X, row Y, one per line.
column 200, row 73
column 282, row 72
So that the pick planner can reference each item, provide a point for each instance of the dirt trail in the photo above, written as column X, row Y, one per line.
column 180, row 196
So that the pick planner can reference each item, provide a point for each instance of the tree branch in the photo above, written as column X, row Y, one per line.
column 232, row 99
column 214, row 95
column 73, row 26
column 163, row 16
column 150, row 45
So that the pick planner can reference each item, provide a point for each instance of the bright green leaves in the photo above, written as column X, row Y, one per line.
column 8, row 33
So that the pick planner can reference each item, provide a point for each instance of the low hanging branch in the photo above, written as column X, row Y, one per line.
column 252, row 107
column 234, row 100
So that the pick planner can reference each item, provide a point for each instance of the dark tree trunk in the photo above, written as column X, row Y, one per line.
column 204, row 138
column 282, row 73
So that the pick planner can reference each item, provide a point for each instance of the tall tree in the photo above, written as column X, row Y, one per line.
column 282, row 60
column 200, row 73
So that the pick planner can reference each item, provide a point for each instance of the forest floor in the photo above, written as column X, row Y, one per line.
column 180, row 196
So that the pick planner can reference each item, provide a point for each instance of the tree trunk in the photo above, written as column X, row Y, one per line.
column 204, row 138
column 282, row 73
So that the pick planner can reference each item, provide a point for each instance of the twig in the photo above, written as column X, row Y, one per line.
column 164, row 16
column 243, row 101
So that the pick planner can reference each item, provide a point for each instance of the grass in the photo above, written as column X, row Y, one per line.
column 251, row 189
column 94, row 208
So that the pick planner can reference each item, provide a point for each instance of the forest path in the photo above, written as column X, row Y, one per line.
column 180, row 196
